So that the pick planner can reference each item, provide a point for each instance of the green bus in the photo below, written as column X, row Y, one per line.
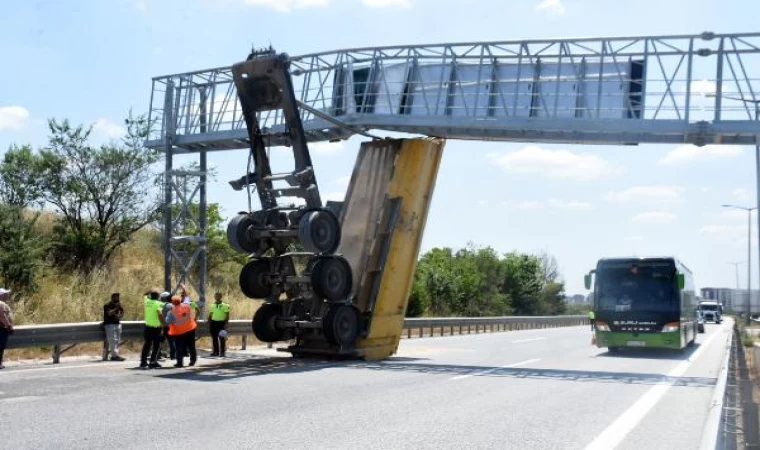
column 643, row 302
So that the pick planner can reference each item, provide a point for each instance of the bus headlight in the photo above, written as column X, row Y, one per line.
column 671, row 327
column 602, row 326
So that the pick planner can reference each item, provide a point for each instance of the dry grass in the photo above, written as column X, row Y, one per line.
column 64, row 298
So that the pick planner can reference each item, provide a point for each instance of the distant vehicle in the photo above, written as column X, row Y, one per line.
column 643, row 302
column 711, row 311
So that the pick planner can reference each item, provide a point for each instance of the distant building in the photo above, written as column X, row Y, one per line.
column 576, row 299
column 733, row 299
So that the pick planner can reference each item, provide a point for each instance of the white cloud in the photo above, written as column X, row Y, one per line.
column 634, row 238
column 141, row 6
column 287, row 6
column 705, row 188
column 108, row 129
column 481, row 202
column 327, row 148
column 529, row 205
column 655, row 218
column 291, row 201
column 734, row 214
column 554, row 163
column 342, row 181
column 691, row 153
column 387, row 3
column 13, row 117
column 723, row 229
column 334, row 196
column 740, row 195
column 552, row 7
column 569, row 205
column 703, row 87
column 652, row 193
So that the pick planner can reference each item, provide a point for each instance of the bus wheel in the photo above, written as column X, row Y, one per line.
column 613, row 350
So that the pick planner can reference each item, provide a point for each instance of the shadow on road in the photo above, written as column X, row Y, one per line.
column 240, row 368
column 652, row 353
column 249, row 367
column 539, row 374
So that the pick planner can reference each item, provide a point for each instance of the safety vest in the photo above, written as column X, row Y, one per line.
column 220, row 311
column 591, row 315
column 152, row 310
column 183, row 320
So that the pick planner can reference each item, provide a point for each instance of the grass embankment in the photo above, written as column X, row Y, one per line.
column 65, row 297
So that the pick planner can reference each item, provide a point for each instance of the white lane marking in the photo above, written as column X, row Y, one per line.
column 614, row 434
column 484, row 372
column 527, row 340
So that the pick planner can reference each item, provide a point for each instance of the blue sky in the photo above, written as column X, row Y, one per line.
column 91, row 61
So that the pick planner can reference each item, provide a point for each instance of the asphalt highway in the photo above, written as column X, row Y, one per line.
column 536, row 389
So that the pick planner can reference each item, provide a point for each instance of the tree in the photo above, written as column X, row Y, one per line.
column 479, row 282
column 103, row 194
column 21, row 254
column 523, row 283
column 218, row 249
column 553, row 292
column 554, row 298
column 419, row 300
column 20, row 177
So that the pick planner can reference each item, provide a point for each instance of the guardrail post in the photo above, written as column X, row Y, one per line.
column 408, row 333
column 56, row 354
column 105, row 350
column 422, row 331
column 244, row 342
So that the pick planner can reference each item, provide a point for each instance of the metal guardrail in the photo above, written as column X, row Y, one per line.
column 64, row 336
column 502, row 323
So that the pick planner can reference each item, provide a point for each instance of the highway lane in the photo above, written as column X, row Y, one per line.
column 535, row 389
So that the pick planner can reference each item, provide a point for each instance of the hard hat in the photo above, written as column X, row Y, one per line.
column 223, row 334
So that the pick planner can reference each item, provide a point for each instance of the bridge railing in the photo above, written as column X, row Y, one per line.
column 65, row 336
column 619, row 90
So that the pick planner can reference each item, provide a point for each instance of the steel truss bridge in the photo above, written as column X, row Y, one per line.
column 661, row 89
column 689, row 89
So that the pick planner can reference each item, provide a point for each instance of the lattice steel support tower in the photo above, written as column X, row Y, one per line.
column 184, row 229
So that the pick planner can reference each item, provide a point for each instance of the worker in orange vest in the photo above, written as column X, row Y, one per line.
column 182, row 327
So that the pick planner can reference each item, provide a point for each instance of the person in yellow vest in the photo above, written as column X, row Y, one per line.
column 153, row 326
column 182, row 327
column 218, row 317
column 591, row 319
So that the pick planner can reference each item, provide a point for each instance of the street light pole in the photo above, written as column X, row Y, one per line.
column 757, row 178
column 755, row 102
column 749, row 254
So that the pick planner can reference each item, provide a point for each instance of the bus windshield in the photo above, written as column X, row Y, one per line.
column 637, row 289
